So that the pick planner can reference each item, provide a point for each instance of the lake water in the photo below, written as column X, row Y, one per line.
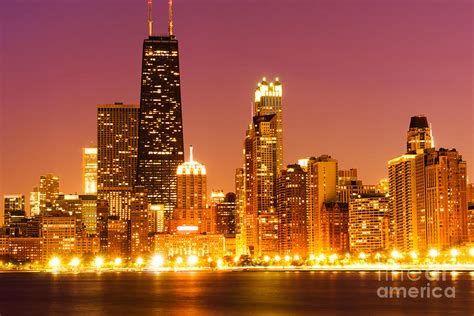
column 227, row 293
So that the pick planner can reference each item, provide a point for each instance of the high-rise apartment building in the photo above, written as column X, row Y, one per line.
column 292, row 207
column 117, row 141
column 161, row 145
column 322, row 178
column 446, row 203
column 89, row 170
column 49, row 192
column 428, row 194
column 407, row 204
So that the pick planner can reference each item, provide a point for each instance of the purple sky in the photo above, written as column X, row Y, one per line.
column 353, row 73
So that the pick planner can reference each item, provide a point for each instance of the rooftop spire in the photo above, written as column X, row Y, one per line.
column 191, row 153
column 150, row 20
column 170, row 17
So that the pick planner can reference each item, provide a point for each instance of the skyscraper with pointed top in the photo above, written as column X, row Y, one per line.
column 160, row 148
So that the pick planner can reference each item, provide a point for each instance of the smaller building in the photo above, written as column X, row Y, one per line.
column 368, row 223
column 189, row 243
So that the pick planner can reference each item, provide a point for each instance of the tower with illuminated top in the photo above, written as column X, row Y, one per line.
column 160, row 148
column 263, row 161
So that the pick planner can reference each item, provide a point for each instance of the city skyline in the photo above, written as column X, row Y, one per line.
column 297, row 117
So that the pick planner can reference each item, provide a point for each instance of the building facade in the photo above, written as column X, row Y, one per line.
column 368, row 224
column 117, row 141
column 89, row 170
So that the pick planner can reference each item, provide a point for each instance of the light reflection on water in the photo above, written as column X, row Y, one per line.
column 224, row 293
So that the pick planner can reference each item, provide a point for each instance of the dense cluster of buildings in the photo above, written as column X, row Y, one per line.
column 141, row 197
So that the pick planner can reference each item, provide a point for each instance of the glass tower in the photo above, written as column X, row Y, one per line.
column 160, row 148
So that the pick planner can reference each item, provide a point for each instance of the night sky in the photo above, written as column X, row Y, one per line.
column 353, row 72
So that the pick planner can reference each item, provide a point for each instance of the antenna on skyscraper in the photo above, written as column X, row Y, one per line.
column 170, row 17
column 150, row 19
column 191, row 153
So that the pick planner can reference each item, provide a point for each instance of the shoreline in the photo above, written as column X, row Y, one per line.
column 376, row 269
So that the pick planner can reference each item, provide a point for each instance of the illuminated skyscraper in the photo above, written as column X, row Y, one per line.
column 292, row 195
column 191, row 184
column 428, row 194
column 263, row 161
column 446, row 203
column 49, row 192
column 13, row 208
column 89, row 170
column 407, row 202
column 117, row 141
column 322, row 180
column 419, row 134
column 160, row 149
column 268, row 101
column 191, row 192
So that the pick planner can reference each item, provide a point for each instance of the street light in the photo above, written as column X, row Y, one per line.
column 98, row 262
column 433, row 253
column 192, row 260
column 157, row 261
column 55, row 262
column 75, row 262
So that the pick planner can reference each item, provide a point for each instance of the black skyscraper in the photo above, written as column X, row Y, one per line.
column 160, row 148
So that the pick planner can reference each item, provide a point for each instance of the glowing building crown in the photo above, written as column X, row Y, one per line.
column 265, row 89
column 191, row 166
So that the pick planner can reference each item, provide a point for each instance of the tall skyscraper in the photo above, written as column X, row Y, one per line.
column 89, row 170
column 160, row 149
column 13, row 208
column 428, row 194
column 419, row 134
column 322, row 180
column 191, row 184
column 446, row 203
column 407, row 202
column 292, row 206
column 49, row 192
column 191, row 193
column 268, row 101
column 117, row 141
column 263, row 161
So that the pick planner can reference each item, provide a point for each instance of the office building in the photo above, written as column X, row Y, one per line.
column 117, row 141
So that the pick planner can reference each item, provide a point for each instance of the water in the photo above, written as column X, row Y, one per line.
column 224, row 293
